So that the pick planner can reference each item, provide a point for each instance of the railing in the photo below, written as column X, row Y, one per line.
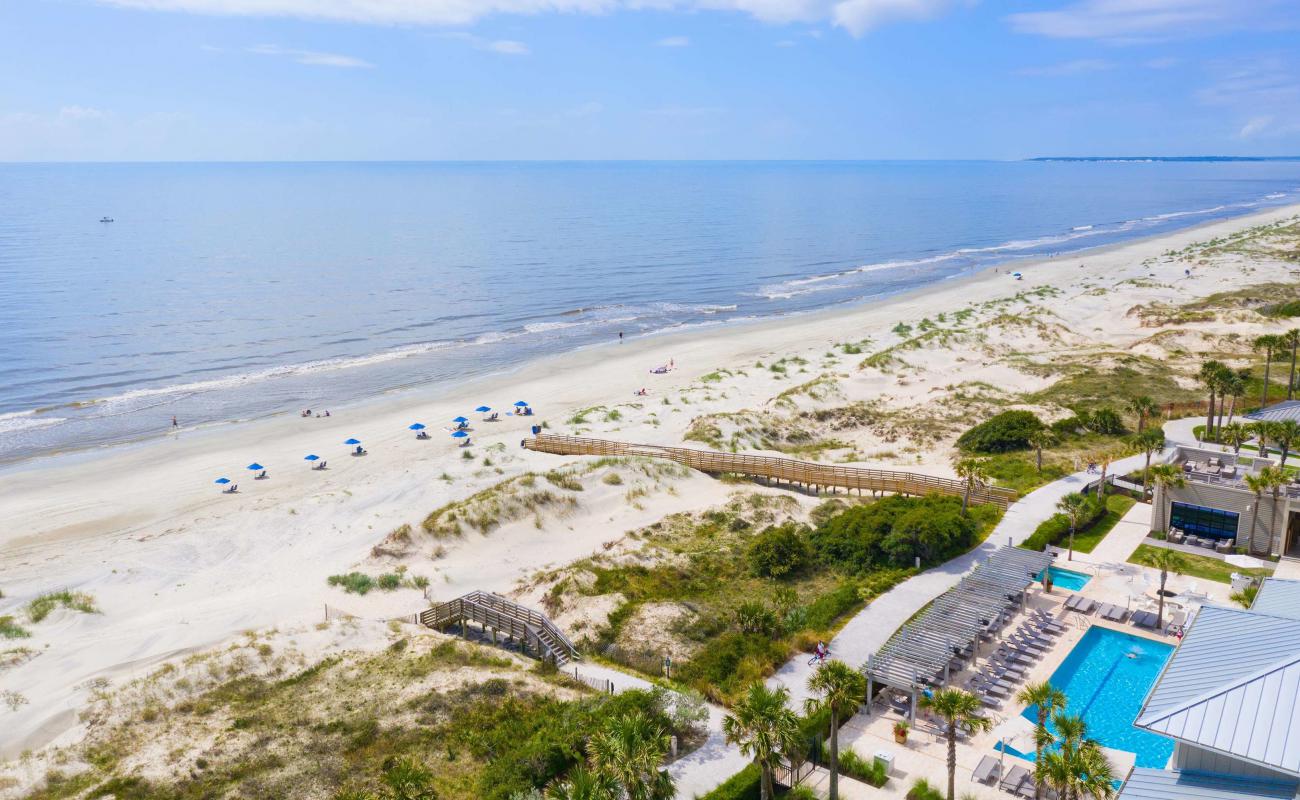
column 504, row 616
column 790, row 777
column 802, row 472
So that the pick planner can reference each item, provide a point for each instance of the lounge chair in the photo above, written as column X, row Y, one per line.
column 1018, row 657
column 234, row 487
column 987, row 771
column 989, row 700
column 321, row 465
column 1224, row 546
column 261, row 476
column 1015, row 776
column 1144, row 619
column 1114, row 613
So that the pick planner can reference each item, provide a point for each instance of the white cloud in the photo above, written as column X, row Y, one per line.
column 506, row 47
column 1136, row 21
column 855, row 16
column 1080, row 66
column 311, row 57
column 1261, row 95
column 1255, row 126
column 674, row 41
column 80, row 113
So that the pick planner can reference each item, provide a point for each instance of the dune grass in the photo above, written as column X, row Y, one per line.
column 10, row 629
column 41, row 607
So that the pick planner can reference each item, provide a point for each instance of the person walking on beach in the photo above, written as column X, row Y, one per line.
column 620, row 336
column 175, row 424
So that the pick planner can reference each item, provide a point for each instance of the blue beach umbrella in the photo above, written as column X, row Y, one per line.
column 521, row 404
column 419, row 426
column 482, row 409
column 222, row 481
column 460, row 434
column 353, row 441
column 460, row 419
column 255, row 466
column 312, row 457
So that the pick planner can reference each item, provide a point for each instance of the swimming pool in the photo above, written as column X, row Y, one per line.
column 1067, row 579
column 1106, row 677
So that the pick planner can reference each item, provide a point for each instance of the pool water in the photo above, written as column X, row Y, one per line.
column 1105, row 678
column 1067, row 579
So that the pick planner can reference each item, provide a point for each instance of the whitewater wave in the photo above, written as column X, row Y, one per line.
column 16, row 421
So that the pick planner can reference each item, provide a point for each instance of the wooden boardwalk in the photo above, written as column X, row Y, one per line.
column 810, row 474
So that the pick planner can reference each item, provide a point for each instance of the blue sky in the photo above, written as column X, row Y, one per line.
column 654, row 79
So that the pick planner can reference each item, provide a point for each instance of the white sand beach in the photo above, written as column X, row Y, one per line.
column 174, row 565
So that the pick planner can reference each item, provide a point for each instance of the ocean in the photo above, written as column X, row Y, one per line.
column 224, row 292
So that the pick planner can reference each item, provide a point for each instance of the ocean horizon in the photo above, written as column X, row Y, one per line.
column 224, row 291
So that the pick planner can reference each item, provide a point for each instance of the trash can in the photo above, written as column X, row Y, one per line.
column 885, row 759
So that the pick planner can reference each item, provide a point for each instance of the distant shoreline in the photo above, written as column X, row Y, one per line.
column 1166, row 159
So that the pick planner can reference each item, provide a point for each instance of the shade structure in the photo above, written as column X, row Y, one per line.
column 460, row 419
column 353, row 441
column 419, row 426
column 222, row 480
column 459, row 434
column 255, row 466
column 312, row 457
column 520, row 404
column 482, row 409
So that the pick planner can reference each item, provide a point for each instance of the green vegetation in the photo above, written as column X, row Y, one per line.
column 1018, row 472
column 41, row 607
column 9, row 629
column 895, row 530
column 361, row 583
column 1199, row 566
column 780, row 551
column 1096, row 520
column 922, row 790
column 1010, row 430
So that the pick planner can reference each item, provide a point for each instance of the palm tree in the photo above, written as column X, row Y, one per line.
column 1211, row 376
column 957, row 708
column 1167, row 561
column 1285, row 434
column 627, row 752
column 1149, row 442
column 1257, row 483
column 763, row 727
column 1144, row 407
column 973, row 471
column 1104, row 460
column 1275, row 478
column 1078, row 768
column 1291, row 339
column 1072, row 506
column 1261, row 430
column 1268, row 343
column 1237, row 381
column 583, row 784
column 1049, row 701
column 1043, row 437
column 1234, row 434
column 840, row 689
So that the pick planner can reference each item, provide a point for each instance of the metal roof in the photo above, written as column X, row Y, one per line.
column 1157, row 784
column 1279, row 597
column 1278, row 412
column 1231, row 687
column 1221, row 646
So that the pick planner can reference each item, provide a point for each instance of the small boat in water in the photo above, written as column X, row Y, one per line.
column 105, row 219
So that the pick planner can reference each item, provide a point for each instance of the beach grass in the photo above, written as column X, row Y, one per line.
column 10, row 629
column 43, row 606
column 1199, row 566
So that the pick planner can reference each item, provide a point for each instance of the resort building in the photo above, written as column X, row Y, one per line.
column 1216, row 508
column 1229, row 697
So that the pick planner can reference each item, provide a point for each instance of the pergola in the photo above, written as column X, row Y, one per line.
column 922, row 652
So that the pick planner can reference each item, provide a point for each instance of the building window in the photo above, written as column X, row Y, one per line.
column 1201, row 521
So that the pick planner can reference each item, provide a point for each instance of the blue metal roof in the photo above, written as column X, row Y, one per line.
column 1279, row 597
column 1158, row 784
column 1278, row 412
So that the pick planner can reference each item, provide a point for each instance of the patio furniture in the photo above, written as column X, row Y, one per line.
column 1229, row 471
column 1015, row 776
column 1224, row 546
column 1214, row 461
column 1072, row 602
column 1176, row 623
column 1175, row 536
column 988, row 770
column 1114, row 613
column 1144, row 619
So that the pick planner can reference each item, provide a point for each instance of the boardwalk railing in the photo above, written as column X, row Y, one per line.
column 531, row 628
column 806, row 473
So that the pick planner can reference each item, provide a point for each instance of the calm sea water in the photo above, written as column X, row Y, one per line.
column 232, row 291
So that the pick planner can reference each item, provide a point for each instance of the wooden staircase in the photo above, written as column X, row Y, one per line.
column 805, row 473
column 532, row 629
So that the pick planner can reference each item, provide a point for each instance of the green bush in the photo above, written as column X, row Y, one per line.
column 744, row 785
column 894, row 531
column 855, row 766
column 1056, row 528
column 389, row 581
column 780, row 551
column 733, row 661
column 1009, row 430
column 830, row 606
column 754, row 617
column 922, row 790
column 352, row 582
column 1105, row 420
column 41, row 607
column 9, row 629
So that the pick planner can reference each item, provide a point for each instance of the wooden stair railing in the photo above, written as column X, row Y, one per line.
column 504, row 616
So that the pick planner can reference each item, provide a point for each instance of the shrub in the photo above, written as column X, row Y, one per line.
column 832, row 605
column 855, row 766
column 754, row 617
column 1057, row 527
column 389, row 581
column 780, row 551
column 12, row 630
column 744, row 785
column 352, row 582
column 895, row 530
column 1009, row 430
column 1070, row 426
column 922, row 790
column 1106, row 420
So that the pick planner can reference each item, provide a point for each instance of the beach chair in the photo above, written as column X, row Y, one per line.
column 261, row 476
column 1086, row 606
column 1015, row 776
column 989, row 701
column 234, row 487
column 1224, row 546
column 987, row 771
column 1116, row 614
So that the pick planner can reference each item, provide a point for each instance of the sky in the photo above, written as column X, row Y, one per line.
column 178, row 80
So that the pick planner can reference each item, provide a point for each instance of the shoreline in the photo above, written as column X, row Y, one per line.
column 392, row 396
column 175, row 565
